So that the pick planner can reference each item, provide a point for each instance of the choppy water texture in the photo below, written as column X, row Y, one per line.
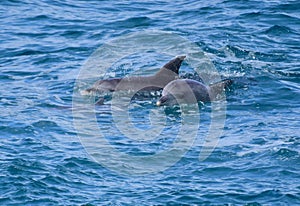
column 43, row 45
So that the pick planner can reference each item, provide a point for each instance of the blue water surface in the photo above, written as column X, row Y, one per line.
column 43, row 45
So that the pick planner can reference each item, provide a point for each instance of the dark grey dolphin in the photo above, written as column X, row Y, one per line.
column 189, row 91
column 166, row 74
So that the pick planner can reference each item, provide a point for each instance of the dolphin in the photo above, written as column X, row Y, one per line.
column 158, row 81
column 188, row 91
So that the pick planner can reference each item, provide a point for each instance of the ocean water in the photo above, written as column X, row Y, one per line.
column 44, row 151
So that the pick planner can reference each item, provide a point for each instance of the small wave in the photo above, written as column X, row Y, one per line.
column 134, row 22
column 45, row 124
column 16, row 74
column 290, row 6
column 291, row 85
column 278, row 30
column 285, row 73
column 73, row 33
column 39, row 17
column 13, row 2
column 17, row 130
column 286, row 154
column 251, row 14
column 25, row 52
column 239, row 54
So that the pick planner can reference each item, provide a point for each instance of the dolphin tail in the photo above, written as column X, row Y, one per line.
column 219, row 87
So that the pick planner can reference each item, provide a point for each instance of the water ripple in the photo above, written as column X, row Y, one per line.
column 43, row 46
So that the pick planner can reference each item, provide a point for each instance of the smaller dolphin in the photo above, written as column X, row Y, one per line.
column 188, row 91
